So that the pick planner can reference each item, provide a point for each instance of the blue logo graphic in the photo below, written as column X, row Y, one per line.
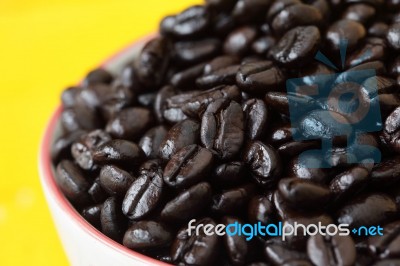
column 335, row 108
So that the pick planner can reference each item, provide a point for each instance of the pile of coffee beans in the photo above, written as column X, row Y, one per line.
column 199, row 126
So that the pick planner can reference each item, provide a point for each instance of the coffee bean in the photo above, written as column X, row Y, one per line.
column 349, row 182
column 72, row 182
column 250, row 10
column 264, row 163
column 279, row 254
column 230, row 174
column 143, row 195
column 386, row 245
column 192, row 52
column 92, row 215
column 331, row 250
column 347, row 29
column 61, row 147
column 152, row 62
column 260, row 209
column 387, row 171
column 297, row 46
column 186, row 78
column 256, row 117
column 359, row 12
column 188, row 166
column 232, row 201
column 179, row 136
column 97, row 193
column 295, row 15
column 160, row 105
column 303, row 193
column 378, row 29
column 393, row 36
column 374, row 49
column 259, row 77
column 224, row 76
column 367, row 210
column 97, row 76
column 300, row 167
column 192, row 249
column 235, row 245
column 262, row 45
column 188, row 204
column 151, row 141
column 238, row 42
column 69, row 96
column 220, row 62
column 147, row 234
column 113, row 222
column 115, row 180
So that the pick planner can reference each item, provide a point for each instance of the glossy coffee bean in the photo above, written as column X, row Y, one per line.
column 348, row 182
column 259, row 77
column 92, row 215
column 297, row 46
column 260, row 209
column 189, row 22
column 61, row 147
column 279, row 6
column 350, row 30
column 386, row 245
column 256, row 117
column 295, row 15
column 303, row 193
column 86, row 120
column 152, row 62
column 97, row 193
column 374, row 49
column 130, row 123
column 97, row 76
column 263, row 44
column 223, row 76
column 230, row 174
column 69, row 96
column 186, row 79
column 386, row 172
column 359, row 12
column 118, row 98
column 189, row 204
column 151, row 141
column 331, row 250
column 378, row 29
column 236, row 245
column 72, row 182
column 250, row 10
column 143, row 195
column 238, row 42
column 368, row 210
column 191, row 249
column 393, row 36
column 188, row 166
column 391, row 127
column 146, row 235
column 222, row 128
column 300, row 167
column 179, row 136
column 113, row 222
column 219, row 63
column 160, row 104
column 115, row 181
column 264, row 162
column 120, row 152
column 233, row 201
column 192, row 52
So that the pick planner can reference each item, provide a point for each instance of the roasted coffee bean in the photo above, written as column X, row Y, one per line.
column 192, row 52
column 359, row 12
column 378, row 29
column 188, row 204
column 224, row 76
column 279, row 253
column 189, row 22
column 179, row 136
column 130, row 123
column 152, row 62
column 230, row 174
column 92, row 215
column 256, row 117
column 250, row 10
column 220, row 62
column 347, row 29
column 374, row 49
column 97, row 76
column 69, row 96
column 146, row 99
column 151, row 141
column 222, row 128
column 86, row 120
column 115, row 181
column 367, row 210
column 391, row 127
column 232, row 201
column 236, row 245
column 386, row 244
column 349, row 182
column 393, row 36
column 192, row 249
column 113, row 222
column 309, row 167
column 294, row 148
column 188, row 166
column 238, row 42
column 187, row 78
column 172, row 107
column 97, row 193
column 331, row 250
column 279, row 6
column 118, row 98
column 297, row 46
column 281, row 134
column 120, row 152
column 143, row 195
column 295, row 15
column 61, row 148
column 72, row 183
column 303, row 193
column 160, row 105
column 263, row 44
column 259, row 77
column 147, row 234
column 387, row 171
column 260, row 209
column 264, row 163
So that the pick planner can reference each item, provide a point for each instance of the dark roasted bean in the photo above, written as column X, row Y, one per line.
column 186, row 78
column 232, row 201
column 297, row 46
column 188, row 204
column 238, row 42
column 387, row 244
column 222, row 128
column 331, row 250
column 374, row 49
column 61, row 148
column 316, row 173
column 359, row 12
column 235, row 245
column 231, row 173
column 188, row 166
column 349, row 182
column 113, row 222
column 191, row 249
column 179, row 136
column 393, row 36
column 260, row 209
column 160, row 104
column 256, row 117
column 263, row 44
column 115, row 180
column 264, row 162
column 378, row 29
column 219, row 63
column 147, row 234
column 250, row 10
column 224, row 76
column 350, row 30
column 151, row 141
column 97, row 76
column 259, row 77
column 97, row 193
column 191, row 52
column 278, row 253
column 92, row 215
column 72, row 183
column 386, row 172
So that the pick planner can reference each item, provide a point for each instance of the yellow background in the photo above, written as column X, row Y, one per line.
column 44, row 47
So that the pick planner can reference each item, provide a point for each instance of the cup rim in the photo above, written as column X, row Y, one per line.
column 48, row 180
